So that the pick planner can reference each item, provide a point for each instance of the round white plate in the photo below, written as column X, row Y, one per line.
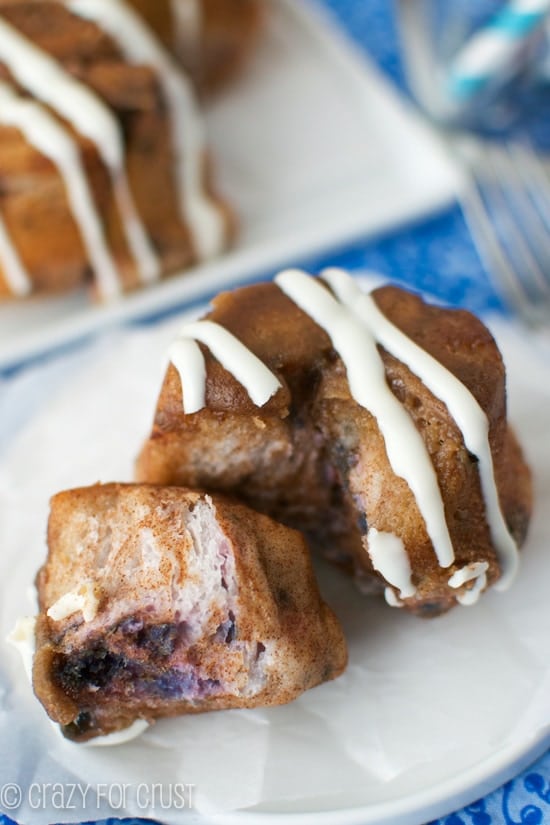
column 429, row 714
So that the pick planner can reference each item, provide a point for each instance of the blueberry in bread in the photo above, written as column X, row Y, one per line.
column 156, row 602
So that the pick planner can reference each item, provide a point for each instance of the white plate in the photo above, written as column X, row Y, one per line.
column 429, row 714
column 314, row 148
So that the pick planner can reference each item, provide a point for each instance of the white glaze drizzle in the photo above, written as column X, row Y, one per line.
column 187, row 26
column 259, row 382
column 119, row 737
column 82, row 600
column 460, row 402
column 471, row 596
column 389, row 557
column 476, row 572
column 22, row 638
column 140, row 46
column 13, row 270
column 49, row 137
column 356, row 344
column 46, row 80
column 468, row 573
column 186, row 356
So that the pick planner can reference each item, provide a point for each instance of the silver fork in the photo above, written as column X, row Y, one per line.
column 506, row 203
column 506, row 199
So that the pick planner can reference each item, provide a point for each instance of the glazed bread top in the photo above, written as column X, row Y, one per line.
column 386, row 385
column 90, row 94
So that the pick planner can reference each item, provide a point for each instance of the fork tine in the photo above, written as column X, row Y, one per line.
column 490, row 249
column 520, row 219
column 536, row 178
column 500, row 206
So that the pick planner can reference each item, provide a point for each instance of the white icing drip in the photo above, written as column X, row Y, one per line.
column 140, row 46
column 46, row 80
column 49, row 137
column 259, row 382
column 471, row 596
column 391, row 598
column 460, row 402
column 119, row 737
column 12, row 267
column 473, row 572
column 82, row 600
column 469, row 573
column 185, row 354
column 187, row 24
column 22, row 639
column 389, row 557
column 356, row 345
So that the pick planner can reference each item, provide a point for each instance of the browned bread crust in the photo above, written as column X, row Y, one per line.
column 34, row 203
column 314, row 459
column 228, row 32
column 196, row 604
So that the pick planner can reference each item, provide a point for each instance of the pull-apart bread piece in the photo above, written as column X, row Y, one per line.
column 103, row 167
column 374, row 423
column 159, row 601
column 211, row 38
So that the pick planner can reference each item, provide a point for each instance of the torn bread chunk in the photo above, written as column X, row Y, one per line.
column 375, row 423
column 159, row 601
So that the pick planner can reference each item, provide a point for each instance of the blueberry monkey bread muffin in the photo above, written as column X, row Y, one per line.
column 376, row 424
column 213, row 39
column 104, row 173
column 160, row 601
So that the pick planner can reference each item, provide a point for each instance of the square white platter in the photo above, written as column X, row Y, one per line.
column 313, row 147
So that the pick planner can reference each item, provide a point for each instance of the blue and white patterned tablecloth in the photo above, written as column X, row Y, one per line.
column 438, row 256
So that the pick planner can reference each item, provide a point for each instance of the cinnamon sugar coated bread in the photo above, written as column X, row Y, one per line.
column 212, row 38
column 159, row 601
column 375, row 424
column 105, row 177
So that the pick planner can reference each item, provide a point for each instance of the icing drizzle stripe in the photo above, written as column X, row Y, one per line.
column 187, row 24
column 356, row 344
column 259, row 382
column 139, row 46
column 356, row 326
column 186, row 356
column 460, row 402
column 12, row 267
column 389, row 557
column 46, row 80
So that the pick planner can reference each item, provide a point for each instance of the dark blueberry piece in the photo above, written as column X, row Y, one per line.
column 79, row 726
column 232, row 629
column 159, row 639
column 429, row 609
column 473, row 458
column 207, row 687
column 362, row 524
column 91, row 668
column 175, row 684
column 131, row 626
column 260, row 648
column 227, row 631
